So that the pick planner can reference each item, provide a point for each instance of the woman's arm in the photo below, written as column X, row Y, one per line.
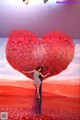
column 44, row 75
column 29, row 71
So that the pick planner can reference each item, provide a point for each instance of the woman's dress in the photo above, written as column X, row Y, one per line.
column 36, row 78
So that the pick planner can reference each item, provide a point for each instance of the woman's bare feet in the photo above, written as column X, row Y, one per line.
column 38, row 96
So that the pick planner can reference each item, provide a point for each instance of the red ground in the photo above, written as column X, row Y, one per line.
column 59, row 102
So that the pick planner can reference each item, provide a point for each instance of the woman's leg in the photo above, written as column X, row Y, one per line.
column 38, row 87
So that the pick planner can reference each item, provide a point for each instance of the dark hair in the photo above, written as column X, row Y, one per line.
column 40, row 71
column 39, row 68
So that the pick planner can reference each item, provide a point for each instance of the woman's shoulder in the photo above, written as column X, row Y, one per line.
column 36, row 72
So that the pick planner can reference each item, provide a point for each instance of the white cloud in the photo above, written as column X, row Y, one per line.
column 7, row 72
column 2, row 61
column 5, row 65
column 72, row 68
column 13, row 77
column 77, row 50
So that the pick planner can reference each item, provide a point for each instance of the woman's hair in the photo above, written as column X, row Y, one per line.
column 39, row 68
column 40, row 71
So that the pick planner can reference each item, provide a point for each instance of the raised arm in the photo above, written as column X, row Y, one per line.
column 29, row 71
column 44, row 75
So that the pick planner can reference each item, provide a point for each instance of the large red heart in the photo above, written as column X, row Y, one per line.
column 25, row 52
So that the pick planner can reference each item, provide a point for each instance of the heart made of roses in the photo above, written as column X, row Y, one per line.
column 25, row 52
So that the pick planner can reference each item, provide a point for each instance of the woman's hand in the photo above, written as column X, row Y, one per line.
column 24, row 71
column 44, row 75
column 48, row 74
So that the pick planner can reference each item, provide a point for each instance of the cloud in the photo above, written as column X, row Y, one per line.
column 7, row 72
column 2, row 61
column 76, row 59
column 13, row 77
column 5, row 65
column 3, row 42
column 73, row 69
column 77, row 50
column 6, row 68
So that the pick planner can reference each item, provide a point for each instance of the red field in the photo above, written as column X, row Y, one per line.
column 60, row 100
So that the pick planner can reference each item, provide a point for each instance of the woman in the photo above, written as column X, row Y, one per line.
column 36, row 75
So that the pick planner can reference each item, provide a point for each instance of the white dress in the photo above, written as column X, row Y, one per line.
column 36, row 78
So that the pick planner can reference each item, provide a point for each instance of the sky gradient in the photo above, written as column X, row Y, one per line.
column 39, row 18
